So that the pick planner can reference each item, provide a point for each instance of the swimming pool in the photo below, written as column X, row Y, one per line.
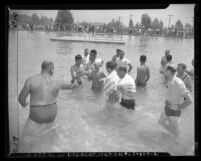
column 85, row 123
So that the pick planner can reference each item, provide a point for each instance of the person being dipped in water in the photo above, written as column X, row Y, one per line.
column 43, row 89
column 178, row 98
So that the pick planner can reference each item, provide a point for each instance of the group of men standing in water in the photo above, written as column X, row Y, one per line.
column 117, row 84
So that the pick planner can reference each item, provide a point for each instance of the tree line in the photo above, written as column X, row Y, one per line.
column 65, row 21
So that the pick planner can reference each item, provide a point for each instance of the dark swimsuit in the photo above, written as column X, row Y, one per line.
column 78, row 81
column 142, row 84
column 170, row 112
column 129, row 104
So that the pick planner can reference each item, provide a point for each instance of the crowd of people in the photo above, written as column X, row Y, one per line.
column 117, row 84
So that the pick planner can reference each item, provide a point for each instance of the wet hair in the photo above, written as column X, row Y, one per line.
column 169, row 58
column 78, row 57
column 118, row 50
column 182, row 65
column 46, row 64
column 171, row 68
column 123, row 68
column 93, row 52
column 143, row 58
column 111, row 65
column 167, row 51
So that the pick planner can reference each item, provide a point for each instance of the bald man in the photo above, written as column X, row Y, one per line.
column 43, row 89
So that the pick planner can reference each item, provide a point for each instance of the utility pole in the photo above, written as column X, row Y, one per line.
column 119, row 23
column 169, row 20
column 131, row 16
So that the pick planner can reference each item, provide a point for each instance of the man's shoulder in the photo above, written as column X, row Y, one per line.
column 178, row 82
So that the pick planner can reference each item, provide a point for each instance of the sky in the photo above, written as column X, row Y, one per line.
column 184, row 12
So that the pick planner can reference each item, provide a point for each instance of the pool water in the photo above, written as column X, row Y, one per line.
column 85, row 122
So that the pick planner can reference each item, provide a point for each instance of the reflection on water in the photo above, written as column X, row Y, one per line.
column 85, row 122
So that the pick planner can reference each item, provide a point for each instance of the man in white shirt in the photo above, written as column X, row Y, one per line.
column 126, row 86
column 178, row 98
column 122, row 61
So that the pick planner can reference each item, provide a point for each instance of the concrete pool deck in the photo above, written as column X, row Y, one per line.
column 83, row 39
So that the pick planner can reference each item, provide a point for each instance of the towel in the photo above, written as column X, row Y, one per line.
column 127, row 83
column 111, row 82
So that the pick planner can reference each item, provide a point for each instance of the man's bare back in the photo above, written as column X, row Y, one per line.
column 43, row 89
column 142, row 75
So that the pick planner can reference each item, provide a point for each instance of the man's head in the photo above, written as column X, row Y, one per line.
column 118, row 51
column 86, row 52
column 167, row 52
column 122, row 70
column 121, row 55
column 170, row 71
column 143, row 58
column 47, row 67
column 92, row 56
column 110, row 66
column 169, row 58
column 181, row 68
column 78, row 59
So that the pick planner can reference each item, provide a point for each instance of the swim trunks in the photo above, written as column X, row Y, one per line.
column 171, row 112
column 141, row 84
column 129, row 104
column 78, row 81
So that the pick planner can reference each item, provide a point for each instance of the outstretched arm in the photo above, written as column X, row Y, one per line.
column 24, row 93
column 66, row 86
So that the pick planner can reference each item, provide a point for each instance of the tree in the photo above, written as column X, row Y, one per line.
column 178, row 25
column 35, row 19
column 155, row 24
column 64, row 17
column 188, row 26
column 146, row 21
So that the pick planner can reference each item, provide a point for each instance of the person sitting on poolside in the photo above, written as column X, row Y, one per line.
column 77, row 70
column 176, row 94
column 143, row 73
column 110, row 83
column 96, row 78
column 121, row 61
column 126, row 86
column 43, row 89
column 184, row 76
